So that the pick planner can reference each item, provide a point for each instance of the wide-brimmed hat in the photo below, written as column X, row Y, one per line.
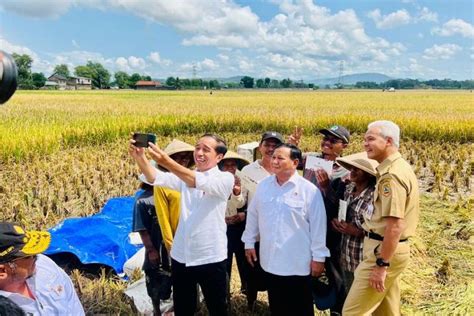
column 241, row 161
column 338, row 131
column 359, row 160
column 17, row 243
column 177, row 146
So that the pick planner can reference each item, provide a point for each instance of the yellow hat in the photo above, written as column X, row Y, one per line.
column 360, row 161
column 17, row 243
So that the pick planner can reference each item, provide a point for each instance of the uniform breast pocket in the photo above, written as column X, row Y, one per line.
column 296, row 206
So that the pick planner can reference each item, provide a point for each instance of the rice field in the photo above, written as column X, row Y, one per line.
column 64, row 154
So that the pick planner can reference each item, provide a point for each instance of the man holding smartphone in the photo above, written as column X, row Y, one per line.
column 199, row 248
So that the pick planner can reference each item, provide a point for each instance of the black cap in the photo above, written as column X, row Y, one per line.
column 17, row 243
column 336, row 130
column 274, row 135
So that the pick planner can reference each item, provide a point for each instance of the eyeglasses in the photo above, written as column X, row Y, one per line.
column 332, row 140
column 34, row 257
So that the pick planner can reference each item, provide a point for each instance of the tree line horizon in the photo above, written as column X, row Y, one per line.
column 101, row 79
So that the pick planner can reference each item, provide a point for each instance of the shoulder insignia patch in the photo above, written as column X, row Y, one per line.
column 386, row 190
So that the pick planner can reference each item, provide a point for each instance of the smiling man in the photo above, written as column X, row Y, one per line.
column 375, row 289
column 288, row 214
column 31, row 280
column 199, row 249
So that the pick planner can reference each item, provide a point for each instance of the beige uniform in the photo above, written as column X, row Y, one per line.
column 396, row 195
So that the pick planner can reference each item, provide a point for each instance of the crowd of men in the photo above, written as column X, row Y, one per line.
column 203, row 204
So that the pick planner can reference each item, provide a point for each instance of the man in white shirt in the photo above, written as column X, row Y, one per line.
column 199, row 248
column 288, row 214
column 31, row 280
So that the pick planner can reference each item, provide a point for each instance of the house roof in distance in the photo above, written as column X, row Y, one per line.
column 148, row 83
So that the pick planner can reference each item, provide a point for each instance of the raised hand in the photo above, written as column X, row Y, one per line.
column 237, row 186
column 295, row 137
column 157, row 154
column 134, row 151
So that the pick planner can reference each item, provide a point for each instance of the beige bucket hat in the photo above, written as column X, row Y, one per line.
column 359, row 160
column 241, row 161
column 177, row 146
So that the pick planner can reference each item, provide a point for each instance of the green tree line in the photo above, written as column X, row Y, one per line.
column 101, row 79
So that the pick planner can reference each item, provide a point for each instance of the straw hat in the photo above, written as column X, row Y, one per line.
column 177, row 146
column 359, row 160
column 241, row 161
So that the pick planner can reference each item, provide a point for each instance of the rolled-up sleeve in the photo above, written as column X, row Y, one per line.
column 216, row 184
column 318, row 227
column 249, row 237
column 167, row 180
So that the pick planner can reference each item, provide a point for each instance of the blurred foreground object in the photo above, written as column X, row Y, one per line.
column 8, row 76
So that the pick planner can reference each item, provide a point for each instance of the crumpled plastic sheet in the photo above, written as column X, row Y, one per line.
column 101, row 238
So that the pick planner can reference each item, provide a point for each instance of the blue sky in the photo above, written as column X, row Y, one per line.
column 298, row 39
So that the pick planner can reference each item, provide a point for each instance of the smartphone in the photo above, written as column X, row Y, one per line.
column 142, row 139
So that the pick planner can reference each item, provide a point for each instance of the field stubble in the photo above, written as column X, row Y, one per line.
column 65, row 154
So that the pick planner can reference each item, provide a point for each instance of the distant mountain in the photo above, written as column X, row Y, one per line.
column 352, row 79
column 347, row 79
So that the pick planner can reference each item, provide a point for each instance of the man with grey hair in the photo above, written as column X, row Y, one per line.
column 394, row 218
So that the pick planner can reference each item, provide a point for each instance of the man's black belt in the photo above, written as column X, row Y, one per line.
column 376, row 236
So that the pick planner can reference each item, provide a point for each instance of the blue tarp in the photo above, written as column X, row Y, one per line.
column 101, row 238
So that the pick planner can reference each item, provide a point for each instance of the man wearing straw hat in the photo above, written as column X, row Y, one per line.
column 375, row 289
column 199, row 249
column 31, row 280
column 235, row 217
column 356, row 201
column 156, row 215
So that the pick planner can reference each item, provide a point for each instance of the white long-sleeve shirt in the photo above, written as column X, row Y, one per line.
column 201, row 234
column 53, row 290
column 291, row 222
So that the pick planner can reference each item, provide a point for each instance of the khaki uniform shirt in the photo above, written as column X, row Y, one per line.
column 396, row 195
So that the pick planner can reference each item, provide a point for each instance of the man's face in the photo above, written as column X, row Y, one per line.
column 183, row 158
column 205, row 155
column 282, row 164
column 229, row 165
column 20, row 269
column 331, row 145
column 375, row 145
column 267, row 147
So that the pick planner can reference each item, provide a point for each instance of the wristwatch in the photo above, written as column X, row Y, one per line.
column 379, row 262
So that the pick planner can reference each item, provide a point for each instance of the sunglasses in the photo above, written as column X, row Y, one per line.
column 34, row 257
column 332, row 140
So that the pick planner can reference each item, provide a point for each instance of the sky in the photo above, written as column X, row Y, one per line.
column 302, row 40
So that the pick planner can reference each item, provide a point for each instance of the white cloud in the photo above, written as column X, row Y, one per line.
column 50, row 8
column 392, row 20
column 75, row 44
column 130, row 64
column 426, row 15
column 38, row 65
column 194, row 16
column 37, row 9
column 13, row 48
column 155, row 58
column 455, row 27
column 445, row 51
